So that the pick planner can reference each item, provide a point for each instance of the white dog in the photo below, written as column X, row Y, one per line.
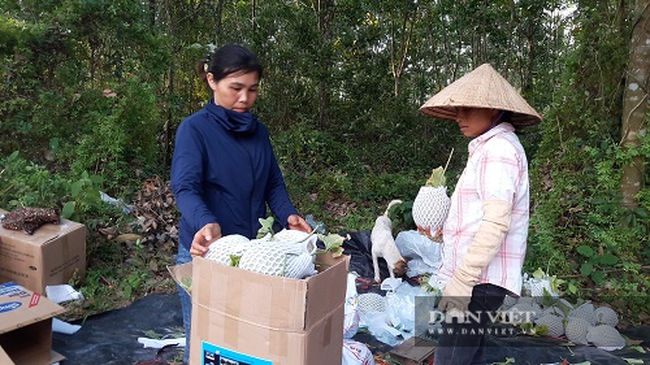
column 383, row 245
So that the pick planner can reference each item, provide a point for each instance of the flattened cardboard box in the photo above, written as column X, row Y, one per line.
column 51, row 256
column 256, row 319
column 26, row 326
column 414, row 351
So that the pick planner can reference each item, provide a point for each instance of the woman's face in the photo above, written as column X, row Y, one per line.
column 236, row 91
column 474, row 121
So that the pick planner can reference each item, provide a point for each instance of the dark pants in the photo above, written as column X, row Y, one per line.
column 186, row 302
column 463, row 343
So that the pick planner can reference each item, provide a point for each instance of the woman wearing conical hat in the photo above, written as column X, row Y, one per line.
column 484, row 235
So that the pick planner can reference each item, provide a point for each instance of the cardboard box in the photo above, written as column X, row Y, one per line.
column 240, row 317
column 26, row 327
column 51, row 256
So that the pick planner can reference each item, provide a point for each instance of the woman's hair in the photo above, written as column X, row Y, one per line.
column 227, row 60
column 507, row 116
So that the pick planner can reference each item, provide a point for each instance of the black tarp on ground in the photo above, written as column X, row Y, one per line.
column 111, row 338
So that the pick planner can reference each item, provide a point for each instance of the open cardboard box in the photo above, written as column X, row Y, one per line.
column 26, row 327
column 51, row 256
column 248, row 318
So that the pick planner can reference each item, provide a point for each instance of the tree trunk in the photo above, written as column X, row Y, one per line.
column 325, row 23
column 635, row 101
column 253, row 17
column 218, row 14
column 400, row 52
column 152, row 13
column 170, row 86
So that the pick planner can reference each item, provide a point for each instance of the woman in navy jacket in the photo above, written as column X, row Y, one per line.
column 224, row 171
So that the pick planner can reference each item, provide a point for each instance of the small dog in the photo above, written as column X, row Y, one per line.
column 383, row 245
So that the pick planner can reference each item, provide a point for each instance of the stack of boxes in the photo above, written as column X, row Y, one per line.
column 53, row 255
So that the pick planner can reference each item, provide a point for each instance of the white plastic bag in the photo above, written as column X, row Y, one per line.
column 424, row 253
column 356, row 353
column 351, row 316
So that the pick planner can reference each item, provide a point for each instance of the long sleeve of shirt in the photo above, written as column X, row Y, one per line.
column 188, row 175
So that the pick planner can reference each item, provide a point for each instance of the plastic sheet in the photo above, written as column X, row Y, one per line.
column 111, row 338
column 541, row 350
column 359, row 248
column 424, row 254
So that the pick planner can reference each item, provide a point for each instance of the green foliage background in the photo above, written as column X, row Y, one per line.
column 93, row 90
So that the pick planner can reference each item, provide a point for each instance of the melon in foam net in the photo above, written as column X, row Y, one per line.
column 288, row 253
column 431, row 205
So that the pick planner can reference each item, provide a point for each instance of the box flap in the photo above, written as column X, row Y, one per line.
column 20, row 307
column 56, row 357
column 43, row 234
column 182, row 275
column 327, row 289
column 4, row 358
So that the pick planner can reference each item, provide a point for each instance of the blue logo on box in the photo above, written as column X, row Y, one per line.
column 215, row 355
column 8, row 307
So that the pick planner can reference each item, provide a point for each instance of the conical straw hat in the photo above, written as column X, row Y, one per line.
column 481, row 88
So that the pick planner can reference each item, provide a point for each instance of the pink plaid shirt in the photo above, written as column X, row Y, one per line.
column 497, row 169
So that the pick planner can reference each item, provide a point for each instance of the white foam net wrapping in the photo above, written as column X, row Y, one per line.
column 288, row 253
column 430, row 207
column 222, row 249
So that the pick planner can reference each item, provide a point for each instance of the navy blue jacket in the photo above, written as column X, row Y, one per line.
column 224, row 171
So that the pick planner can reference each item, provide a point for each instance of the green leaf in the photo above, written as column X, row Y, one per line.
column 437, row 178
column 68, row 210
column 541, row 330
column 527, row 327
column 336, row 252
column 633, row 361
column 152, row 334
column 75, row 189
column 585, row 251
column 54, row 143
column 597, row 276
column 586, row 269
column 539, row 274
column 267, row 227
column 333, row 243
column 96, row 179
column 609, row 259
column 234, row 260
column 509, row 360
column 547, row 298
column 186, row 283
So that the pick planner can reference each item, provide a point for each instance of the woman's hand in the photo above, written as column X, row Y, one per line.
column 202, row 239
column 298, row 223
column 426, row 231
